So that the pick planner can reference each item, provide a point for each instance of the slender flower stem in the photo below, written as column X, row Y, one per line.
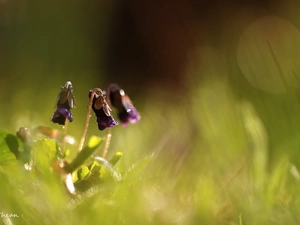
column 88, row 116
column 107, row 142
column 65, row 128
column 115, row 174
column 108, row 132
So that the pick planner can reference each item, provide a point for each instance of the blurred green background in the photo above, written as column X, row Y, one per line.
column 149, row 48
column 217, row 85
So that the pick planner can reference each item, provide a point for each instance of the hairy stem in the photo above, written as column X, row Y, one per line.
column 65, row 128
column 107, row 142
column 88, row 116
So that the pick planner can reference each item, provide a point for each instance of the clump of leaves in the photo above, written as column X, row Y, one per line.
column 40, row 157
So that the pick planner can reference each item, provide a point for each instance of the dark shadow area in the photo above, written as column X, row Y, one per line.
column 13, row 144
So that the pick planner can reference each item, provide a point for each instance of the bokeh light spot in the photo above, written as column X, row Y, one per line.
column 268, row 54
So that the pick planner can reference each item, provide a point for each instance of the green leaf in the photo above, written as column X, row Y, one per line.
column 95, row 167
column 105, row 173
column 44, row 152
column 138, row 167
column 94, row 141
column 87, row 177
column 93, row 145
column 74, row 177
column 116, row 157
column 83, row 172
column 107, row 169
column 44, row 149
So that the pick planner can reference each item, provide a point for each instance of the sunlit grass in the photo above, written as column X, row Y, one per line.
column 207, row 165
column 208, row 156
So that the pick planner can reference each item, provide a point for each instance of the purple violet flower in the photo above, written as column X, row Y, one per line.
column 61, row 114
column 102, row 112
column 119, row 100
column 65, row 101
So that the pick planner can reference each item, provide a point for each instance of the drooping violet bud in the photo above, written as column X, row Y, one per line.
column 64, row 103
column 102, row 111
column 120, row 101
